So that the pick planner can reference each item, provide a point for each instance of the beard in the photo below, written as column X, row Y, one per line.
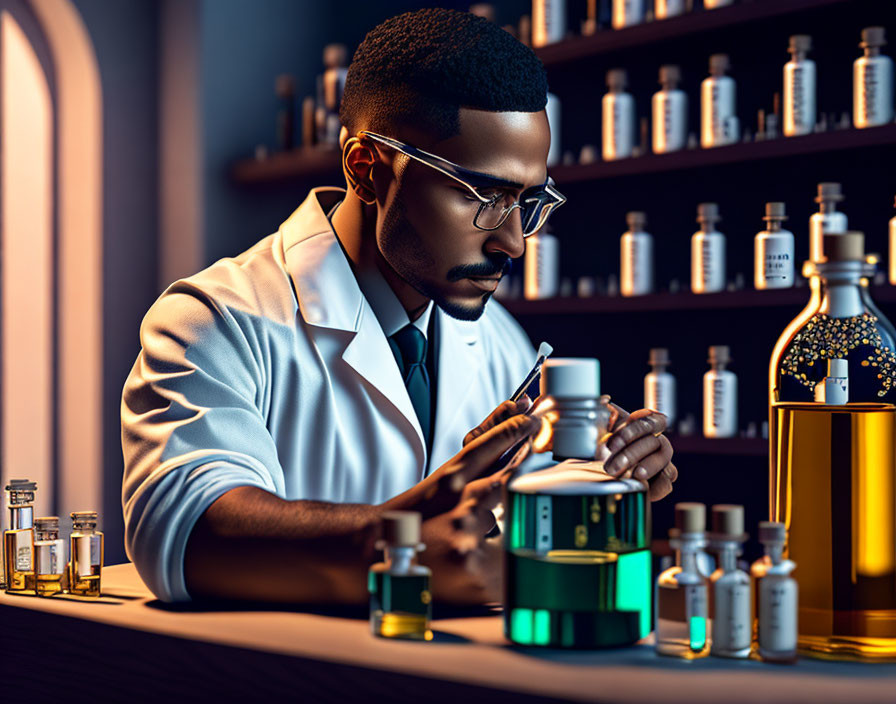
column 400, row 246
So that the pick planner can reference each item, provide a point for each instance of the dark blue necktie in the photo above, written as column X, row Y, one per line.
column 409, row 347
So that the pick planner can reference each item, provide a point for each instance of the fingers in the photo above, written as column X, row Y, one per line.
column 497, row 416
column 480, row 454
column 637, row 425
column 643, row 459
column 662, row 484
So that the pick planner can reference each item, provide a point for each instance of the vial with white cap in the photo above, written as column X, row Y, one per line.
column 833, row 390
column 618, row 118
column 799, row 88
column 773, row 251
column 730, row 586
column 670, row 112
column 872, row 79
column 682, row 609
column 659, row 385
column 627, row 13
column 719, row 396
column 778, row 597
column 719, row 124
column 636, row 257
column 707, row 252
column 828, row 220
column 400, row 597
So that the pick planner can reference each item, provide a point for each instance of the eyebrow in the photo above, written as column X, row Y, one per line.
column 488, row 179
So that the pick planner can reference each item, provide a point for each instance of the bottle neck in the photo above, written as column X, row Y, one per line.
column 400, row 558
column 21, row 517
column 688, row 546
column 669, row 85
column 827, row 206
column 46, row 534
column 798, row 55
column 839, row 288
column 84, row 527
column 871, row 51
column 728, row 551
column 773, row 225
column 718, row 366
column 775, row 553
column 657, row 368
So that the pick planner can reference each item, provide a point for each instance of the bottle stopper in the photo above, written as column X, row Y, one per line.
column 775, row 211
column 47, row 523
column 617, row 78
column 719, row 64
column 800, row 43
column 401, row 528
column 670, row 74
column 829, row 192
column 335, row 55
column 844, row 247
column 571, row 378
column 873, row 37
column 285, row 86
column 772, row 532
column 728, row 522
column 708, row 213
column 719, row 354
column 21, row 485
column 690, row 517
column 659, row 356
column 636, row 220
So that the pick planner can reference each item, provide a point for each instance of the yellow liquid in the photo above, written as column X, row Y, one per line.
column 86, row 585
column 833, row 484
column 402, row 625
column 48, row 584
column 19, row 581
column 84, row 580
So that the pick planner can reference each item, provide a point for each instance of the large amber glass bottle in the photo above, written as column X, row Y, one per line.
column 833, row 458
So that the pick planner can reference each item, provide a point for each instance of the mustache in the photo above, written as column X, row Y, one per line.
column 496, row 264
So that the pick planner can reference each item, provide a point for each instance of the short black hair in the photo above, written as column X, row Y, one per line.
column 421, row 67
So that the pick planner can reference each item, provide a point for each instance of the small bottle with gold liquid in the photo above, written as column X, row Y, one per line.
column 49, row 556
column 86, row 566
column 18, row 541
column 400, row 600
column 682, row 611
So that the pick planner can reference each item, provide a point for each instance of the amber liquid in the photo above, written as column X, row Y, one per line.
column 86, row 564
column 833, row 484
column 19, row 545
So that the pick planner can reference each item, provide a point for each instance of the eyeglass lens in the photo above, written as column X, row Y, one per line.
column 534, row 211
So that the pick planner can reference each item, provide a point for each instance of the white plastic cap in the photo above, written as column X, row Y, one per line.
column 571, row 378
column 838, row 368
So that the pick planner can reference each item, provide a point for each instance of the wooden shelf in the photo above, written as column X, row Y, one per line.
column 685, row 301
column 282, row 166
column 610, row 40
column 699, row 445
column 732, row 154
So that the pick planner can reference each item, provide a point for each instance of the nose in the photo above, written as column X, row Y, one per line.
column 508, row 239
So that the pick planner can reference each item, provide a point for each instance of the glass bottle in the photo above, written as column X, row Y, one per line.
column 872, row 81
column 773, row 251
column 719, row 124
column 833, row 464
column 730, row 586
column 86, row 565
column 618, row 117
column 828, row 220
column 400, row 597
column 707, row 252
column 659, row 386
column 49, row 556
column 799, row 88
column 19, row 539
column 670, row 112
column 719, row 395
column 776, row 597
column 636, row 261
column 682, row 618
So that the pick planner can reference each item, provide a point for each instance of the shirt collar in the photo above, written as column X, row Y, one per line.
column 386, row 306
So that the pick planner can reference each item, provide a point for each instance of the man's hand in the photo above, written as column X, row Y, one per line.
column 640, row 450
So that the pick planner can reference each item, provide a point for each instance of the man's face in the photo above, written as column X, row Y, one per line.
column 426, row 232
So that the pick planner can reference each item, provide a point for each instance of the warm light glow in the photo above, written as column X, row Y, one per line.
column 873, row 527
column 26, row 273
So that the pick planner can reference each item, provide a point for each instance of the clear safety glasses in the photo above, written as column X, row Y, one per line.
column 535, row 204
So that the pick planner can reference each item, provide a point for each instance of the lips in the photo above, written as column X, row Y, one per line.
column 485, row 284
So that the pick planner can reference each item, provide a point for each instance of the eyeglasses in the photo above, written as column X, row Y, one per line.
column 536, row 204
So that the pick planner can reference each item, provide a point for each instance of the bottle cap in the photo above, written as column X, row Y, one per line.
column 84, row 515
column 775, row 211
column 800, row 42
column 838, row 368
column 719, row 64
column 636, row 220
column 285, row 86
column 690, row 517
column 401, row 528
column 46, row 522
column 845, row 247
column 571, row 378
column 670, row 73
column 728, row 521
column 335, row 55
column 771, row 532
column 829, row 192
column 21, row 485
column 719, row 354
column 873, row 36
column 708, row 212
column 617, row 78
column 659, row 355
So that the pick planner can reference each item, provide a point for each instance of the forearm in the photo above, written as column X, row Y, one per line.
column 251, row 544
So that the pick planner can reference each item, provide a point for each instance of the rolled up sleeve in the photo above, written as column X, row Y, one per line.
column 192, row 427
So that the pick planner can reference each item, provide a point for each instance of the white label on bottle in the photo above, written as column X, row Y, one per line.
column 776, row 256
column 731, row 623
column 799, row 97
column 627, row 13
column 668, row 8
column 873, row 91
column 618, row 126
column 708, row 264
column 541, row 265
column 48, row 556
column 637, row 264
column 548, row 21
column 659, row 394
column 24, row 561
column 719, row 124
column 88, row 550
column 777, row 614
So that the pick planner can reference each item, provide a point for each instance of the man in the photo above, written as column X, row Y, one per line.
column 285, row 398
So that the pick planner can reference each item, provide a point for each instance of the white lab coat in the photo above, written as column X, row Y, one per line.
column 270, row 369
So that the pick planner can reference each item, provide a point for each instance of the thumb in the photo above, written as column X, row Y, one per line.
column 480, row 454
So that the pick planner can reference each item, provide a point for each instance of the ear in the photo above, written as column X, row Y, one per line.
column 357, row 165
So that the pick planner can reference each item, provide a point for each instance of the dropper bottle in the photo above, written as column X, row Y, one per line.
column 778, row 597
column 719, row 395
column 707, row 252
column 872, row 81
column 618, row 118
column 659, row 385
column 670, row 112
column 799, row 88
column 719, row 124
column 773, row 251
column 828, row 220
column 731, row 621
column 636, row 257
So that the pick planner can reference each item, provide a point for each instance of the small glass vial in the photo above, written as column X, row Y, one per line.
column 872, row 80
column 664, row 9
column 719, row 396
column 682, row 628
column 708, row 252
column 833, row 390
column 618, row 118
column 799, row 88
column 49, row 556
column 548, row 22
column 627, row 13
column 773, row 251
column 400, row 599
column 670, row 113
column 778, row 597
column 19, row 539
column 828, row 220
column 659, row 385
column 86, row 555
column 893, row 249
column 541, row 265
column 732, row 629
column 636, row 265
column 715, row 4
column 719, row 124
